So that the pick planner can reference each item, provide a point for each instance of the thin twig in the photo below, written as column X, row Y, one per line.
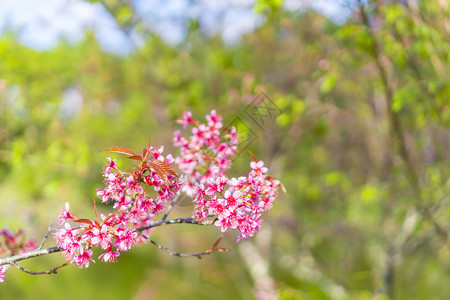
column 40, row 252
column 50, row 228
column 52, row 271
column 198, row 255
column 397, row 130
column 188, row 220
column 171, row 205
column 28, row 255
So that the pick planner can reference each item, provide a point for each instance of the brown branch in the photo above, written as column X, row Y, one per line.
column 171, row 205
column 40, row 252
column 199, row 255
column 396, row 127
column 28, row 255
column 50, row 228
column 396, row 251
column 188, row 220
column 51, row 271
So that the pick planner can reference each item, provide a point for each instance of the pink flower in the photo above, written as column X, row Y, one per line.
column 133, row 186
column 64, row 214
column 82, row 260
column 226, row 220
column 214, row 120
column 125, row 239
column 28, row 246
column 258, row 167
column 216, row 186
column 111, row 164
column 103, row 195
column 232, row 199
column 186, row 119
column 65, row 236
column 110, row 256
column 2, row 272
column 101, row 237
column 248, row 226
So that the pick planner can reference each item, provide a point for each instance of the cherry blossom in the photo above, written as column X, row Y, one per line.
column 138, row 197
column 2, row 272
column 205, row 158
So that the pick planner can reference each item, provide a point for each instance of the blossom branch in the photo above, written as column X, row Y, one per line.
column 40, row 252
column 52, row 271
column 188, row 220
column 199, row 255
column 228, row 203
column 28, row 255
column 50, row 228
column 170, row 207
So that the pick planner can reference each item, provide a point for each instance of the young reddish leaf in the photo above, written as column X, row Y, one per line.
column 166, row 167
column 121, row 150
column 135, row 157
column 109, row 217
column 283, row 188
column 95, row 210
column 146, row 151
column 216, row 243
column 84, row 221
column 160, row 171
column 220, row 249
column 253, row 157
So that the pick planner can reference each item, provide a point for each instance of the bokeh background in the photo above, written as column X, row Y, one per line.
column 360, row 141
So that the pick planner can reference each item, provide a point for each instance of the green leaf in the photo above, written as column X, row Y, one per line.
column 328, row 83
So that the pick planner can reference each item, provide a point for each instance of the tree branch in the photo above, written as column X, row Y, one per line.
column 40, row 252
column 188, row 220
column 396, row 127
column 50, row 228
column 28, row 255
column 198, row 255
column 171, row 205
column 52, row 271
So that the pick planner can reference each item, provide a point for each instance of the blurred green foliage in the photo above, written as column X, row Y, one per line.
column 361, row 220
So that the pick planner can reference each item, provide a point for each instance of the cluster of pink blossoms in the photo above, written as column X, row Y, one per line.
column 206, row 155
column 133, row 209
column 232, row 203
column 235, row 203
column 2, row 272
column 14, row 243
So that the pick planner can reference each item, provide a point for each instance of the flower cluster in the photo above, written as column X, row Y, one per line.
column 133, row 206
column 14, row 243
column 235, row 203
column 2, row 272
column 207, row 154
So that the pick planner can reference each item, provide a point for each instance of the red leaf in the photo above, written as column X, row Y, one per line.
column 160, row 171
column 121, row 150
column 136, row 157
column 84, row 221
column 165, row 166
column 108, row 218
column 216, row 243
column 253, row 157
column 146, row 151
column 220, row 249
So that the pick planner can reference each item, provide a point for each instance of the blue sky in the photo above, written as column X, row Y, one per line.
column 41, row 23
